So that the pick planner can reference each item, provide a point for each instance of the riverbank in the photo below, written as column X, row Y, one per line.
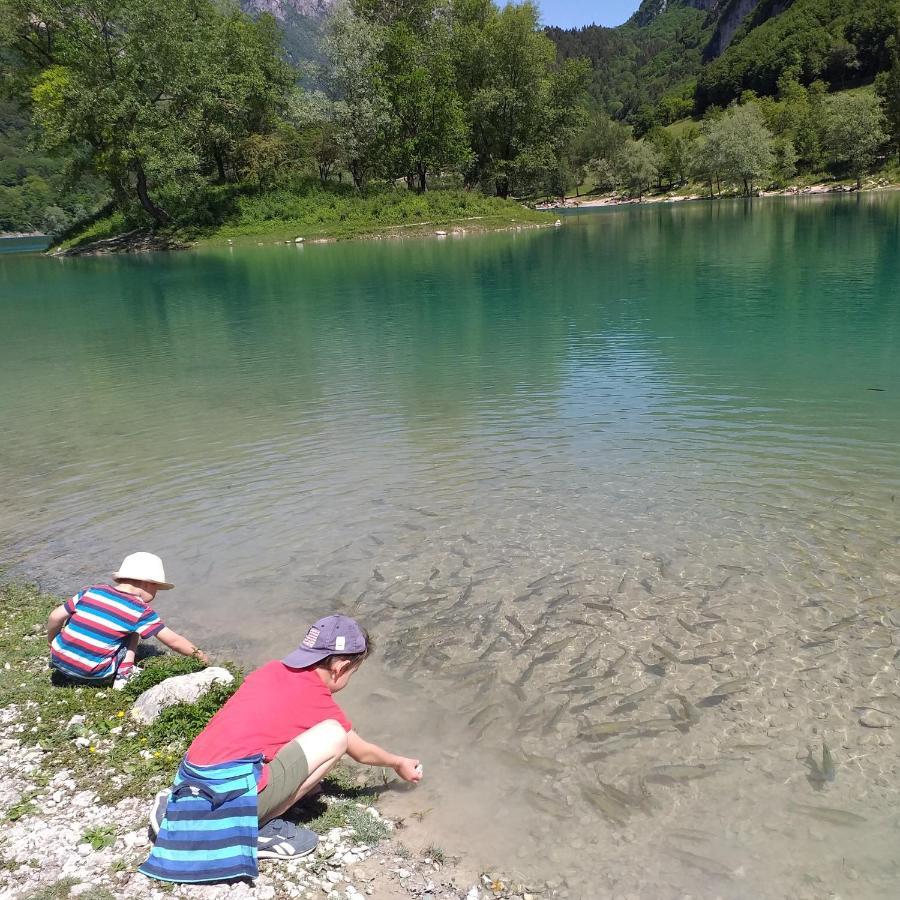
column 589, row 201
column 78, row 774
column 308, row 215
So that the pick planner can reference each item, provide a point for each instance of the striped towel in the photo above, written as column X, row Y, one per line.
column 210, row 828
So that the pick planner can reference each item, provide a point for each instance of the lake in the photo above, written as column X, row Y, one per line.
column 617, row 500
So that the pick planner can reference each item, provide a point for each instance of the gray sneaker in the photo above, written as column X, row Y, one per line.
column 158, row 810
column 280, row 839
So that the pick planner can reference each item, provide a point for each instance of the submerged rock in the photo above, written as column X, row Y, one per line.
column 177, row 689
column 872, row 718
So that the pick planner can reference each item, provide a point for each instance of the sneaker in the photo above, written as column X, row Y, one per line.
column 158, row 810
column 280, row 839
column 123, row 678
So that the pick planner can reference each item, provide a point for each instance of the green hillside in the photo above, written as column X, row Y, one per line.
column 679, row 58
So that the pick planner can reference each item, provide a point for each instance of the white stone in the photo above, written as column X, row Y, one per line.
column 266, row 892
column 177, row 689
column 75, row 720
column 78, row 889
column 334, row 877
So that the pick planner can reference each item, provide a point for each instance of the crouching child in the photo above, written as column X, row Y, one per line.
column 94, row 635
column 271, row 743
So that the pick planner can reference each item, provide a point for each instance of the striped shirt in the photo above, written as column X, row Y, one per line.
column 210, row 828
column 101, row 618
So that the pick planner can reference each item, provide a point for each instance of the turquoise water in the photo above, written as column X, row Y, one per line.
column 479, row 445
column 31, row 244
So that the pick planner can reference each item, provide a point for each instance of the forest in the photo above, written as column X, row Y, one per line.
column 184, row 114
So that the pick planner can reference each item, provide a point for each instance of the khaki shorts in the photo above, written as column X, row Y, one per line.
column 287, row 771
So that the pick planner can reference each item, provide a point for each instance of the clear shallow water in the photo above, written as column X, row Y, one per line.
column 517, row 458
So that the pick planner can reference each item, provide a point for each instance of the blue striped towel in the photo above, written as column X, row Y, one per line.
column 210, row 828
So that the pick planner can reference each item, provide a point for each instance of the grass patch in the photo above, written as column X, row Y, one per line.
column 314, row 211
column 60, row 891
column 87, row 730
column 99, row 837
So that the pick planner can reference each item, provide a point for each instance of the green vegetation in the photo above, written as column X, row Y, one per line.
column 190, row 115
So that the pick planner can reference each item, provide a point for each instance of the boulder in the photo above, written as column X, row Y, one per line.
column 177, row 689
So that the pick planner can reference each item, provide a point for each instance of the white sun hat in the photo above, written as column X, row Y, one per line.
column 143, row 567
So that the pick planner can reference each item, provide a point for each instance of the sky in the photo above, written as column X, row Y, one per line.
column 573, row 13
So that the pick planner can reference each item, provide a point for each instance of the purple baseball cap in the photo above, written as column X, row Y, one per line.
column 333, row 634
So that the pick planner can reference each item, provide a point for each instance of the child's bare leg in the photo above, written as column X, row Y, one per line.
column 131, row 651
column 323, row 745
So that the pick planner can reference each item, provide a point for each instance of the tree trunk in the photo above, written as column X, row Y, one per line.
column 423, row 184
column 220, row 162
column 859, row 182
column 410, row 181
column 157, row 213
column 502, row 187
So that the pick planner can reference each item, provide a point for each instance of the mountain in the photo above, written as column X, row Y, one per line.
column 301, row 23
column 678, row 57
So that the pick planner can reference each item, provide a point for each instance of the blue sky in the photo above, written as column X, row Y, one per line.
column 572, row 13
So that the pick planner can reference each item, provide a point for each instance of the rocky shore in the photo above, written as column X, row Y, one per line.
column 78, row 772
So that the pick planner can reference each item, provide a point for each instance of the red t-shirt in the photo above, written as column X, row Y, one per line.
column 273, row 705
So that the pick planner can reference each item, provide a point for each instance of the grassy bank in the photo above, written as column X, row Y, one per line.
column 316, row 212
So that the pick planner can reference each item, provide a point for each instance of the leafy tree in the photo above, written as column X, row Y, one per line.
column 521, row 109
column 355, row 81
column 739, row 147
column 888, row 89
column 122, row 80
column 855, row 133
column 638, row 167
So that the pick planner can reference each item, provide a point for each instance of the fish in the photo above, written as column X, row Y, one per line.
column 688, row 713
column 484, row 713
column 556, row 646
column 615, row 665
column 606, row 607
column 672, row 774
column 685, row 625
column 703, row 863
column 434, row 574
column 653, row 726
column 631, row 699
column 376, row 540
column 820, row 772
column 377, row 575
column 665, row 653
column 726, row 689
column 514, row 621
column 603, row 730
column 829, row 814
column 610, row 807
column 551, row 723
column 543, row 580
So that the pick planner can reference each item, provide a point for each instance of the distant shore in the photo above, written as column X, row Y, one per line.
column 23, row 234
column 589, row 201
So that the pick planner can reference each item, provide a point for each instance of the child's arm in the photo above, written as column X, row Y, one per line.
column 56, row 621
column 182, row 645
column 373, row 755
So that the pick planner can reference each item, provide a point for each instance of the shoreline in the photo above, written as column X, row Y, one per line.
column 300, row 234
column 820, row 188
column 78, row 776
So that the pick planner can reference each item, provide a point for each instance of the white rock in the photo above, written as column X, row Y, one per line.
column 334, row 877
column 75, row 720
column 267, row 892
column 177, row 689
column 84, row 799
column 78, row 889
column 84, row 849
column 474, row 893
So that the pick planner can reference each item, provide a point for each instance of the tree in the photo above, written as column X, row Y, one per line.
column 123, row 79
column 855, row 133
column 739, row 146
column 518, row 104
column 428, row 128
column 887, row 87
column 638, row 166
column 355, row 82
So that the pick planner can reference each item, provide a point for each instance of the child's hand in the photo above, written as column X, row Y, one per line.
column 408, row 770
